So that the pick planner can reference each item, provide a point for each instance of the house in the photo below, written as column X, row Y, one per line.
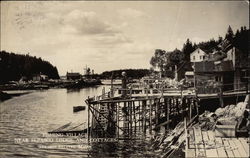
column 198, row 55
column 40, row 77
column 241, row 67
column 210, row 74
column 73, row 76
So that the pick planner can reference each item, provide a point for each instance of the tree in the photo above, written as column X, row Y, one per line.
column 229, row 35
column 176, row 57
column 160, row 59
column 187, row 49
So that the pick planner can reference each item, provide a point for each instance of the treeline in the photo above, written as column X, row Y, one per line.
column 166, row 60
column 131, row 73
column 15, row 66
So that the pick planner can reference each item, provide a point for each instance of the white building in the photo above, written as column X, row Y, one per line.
column 198, row 55
column 231, row 55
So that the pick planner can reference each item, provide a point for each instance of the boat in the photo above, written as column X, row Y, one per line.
column 78, row 108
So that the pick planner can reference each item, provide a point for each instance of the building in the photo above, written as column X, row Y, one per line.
column 216, row 56
column 73, row 76
column 226, row 67
column 198, row 55
column 210, row 74
column 189, row 76
column 40, row 77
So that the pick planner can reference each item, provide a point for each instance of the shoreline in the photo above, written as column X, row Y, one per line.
column 6, row 96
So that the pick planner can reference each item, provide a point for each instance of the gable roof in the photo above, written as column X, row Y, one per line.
column 198, row 50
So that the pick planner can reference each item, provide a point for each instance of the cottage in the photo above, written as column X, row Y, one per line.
column 198, row 55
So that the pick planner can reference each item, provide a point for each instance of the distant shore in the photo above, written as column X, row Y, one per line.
column 37, row 85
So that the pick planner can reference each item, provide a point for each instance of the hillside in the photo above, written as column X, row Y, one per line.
column 14, row 66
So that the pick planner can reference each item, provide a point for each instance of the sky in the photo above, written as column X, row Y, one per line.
column 108, row 35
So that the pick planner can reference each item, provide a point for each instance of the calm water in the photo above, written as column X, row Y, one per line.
column 25, row 121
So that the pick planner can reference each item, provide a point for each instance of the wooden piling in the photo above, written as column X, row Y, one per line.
column 150, row 116
column 144, row 116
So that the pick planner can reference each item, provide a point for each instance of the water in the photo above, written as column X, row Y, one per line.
column 25, row 121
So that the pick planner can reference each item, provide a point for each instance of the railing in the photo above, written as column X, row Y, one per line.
column 199, row 89
column 225, row 88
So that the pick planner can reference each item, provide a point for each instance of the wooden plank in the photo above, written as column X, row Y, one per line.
column 228, row 148
column 199, row 143
column 190, row 152
column 220, row 147
column 192, row 142
column 245, row 145
column 241, row 149
column 234, row 147
column 206, row 140
column 211, row 151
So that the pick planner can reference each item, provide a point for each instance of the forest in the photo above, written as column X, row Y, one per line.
column 15, row 66
column 166, row 60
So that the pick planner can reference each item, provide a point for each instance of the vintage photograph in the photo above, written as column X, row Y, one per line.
column 108, row 79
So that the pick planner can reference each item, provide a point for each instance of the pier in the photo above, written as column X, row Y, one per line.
column 131, row 116
column 202, row 143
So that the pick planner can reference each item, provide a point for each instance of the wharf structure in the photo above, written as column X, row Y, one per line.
column 131, row 115
column 129, row 112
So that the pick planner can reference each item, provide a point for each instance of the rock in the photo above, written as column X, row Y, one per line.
column 226, row 121
column 220, row 112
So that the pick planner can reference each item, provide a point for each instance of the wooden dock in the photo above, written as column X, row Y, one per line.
column 205, row 144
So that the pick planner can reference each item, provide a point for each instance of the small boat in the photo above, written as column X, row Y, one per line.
column 78, row 108
column 71, row 129
column 40, row 86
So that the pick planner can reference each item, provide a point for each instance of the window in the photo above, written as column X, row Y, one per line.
column 203, row 57
column 200, row 57
column 193, row 57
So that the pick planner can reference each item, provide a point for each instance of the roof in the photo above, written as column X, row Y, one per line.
column 224, row 66
column 210, row 66
column 198, row 49
column 206, row 66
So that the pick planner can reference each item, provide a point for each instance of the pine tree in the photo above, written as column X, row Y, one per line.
column 229, row 35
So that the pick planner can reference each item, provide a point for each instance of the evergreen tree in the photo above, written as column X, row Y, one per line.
column 229, row 35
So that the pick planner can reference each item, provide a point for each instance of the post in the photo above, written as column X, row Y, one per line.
column 156, row 112
column 134, row 111
column 150, row 116
column 124, row 84
column 221, row 97
column 139, row 112
column 168, row 112
column 144, row 116
column 194, row 78
column 88, row 130
column 117, row 120
column 131, row 118
column 186, row 134
column 190, row 112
